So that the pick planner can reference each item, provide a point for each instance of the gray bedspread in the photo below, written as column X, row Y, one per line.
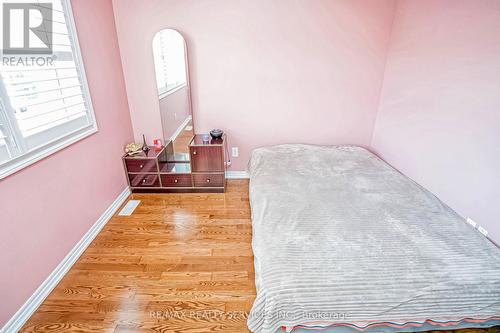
column 339, row 236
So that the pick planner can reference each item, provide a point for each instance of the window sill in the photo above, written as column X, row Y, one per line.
column 171, row 91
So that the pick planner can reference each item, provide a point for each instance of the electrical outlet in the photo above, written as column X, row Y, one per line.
column 235, row 152
column 471, row 222
column 482, row 230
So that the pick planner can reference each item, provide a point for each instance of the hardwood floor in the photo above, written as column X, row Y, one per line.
column 180, row 263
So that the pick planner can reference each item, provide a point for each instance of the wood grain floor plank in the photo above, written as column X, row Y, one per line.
column 59, row 326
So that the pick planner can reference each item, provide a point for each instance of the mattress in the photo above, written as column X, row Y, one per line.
column 341, row 239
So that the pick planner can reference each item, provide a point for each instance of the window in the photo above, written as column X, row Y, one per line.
column 45, row 104
column 170, row 60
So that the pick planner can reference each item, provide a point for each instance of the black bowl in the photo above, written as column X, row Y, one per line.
column 216, row 133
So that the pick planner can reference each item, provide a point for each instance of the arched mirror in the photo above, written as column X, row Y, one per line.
column 172, row 81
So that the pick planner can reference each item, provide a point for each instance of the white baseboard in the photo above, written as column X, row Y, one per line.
column 237, row 175
column 24, row 313
column 180, row 128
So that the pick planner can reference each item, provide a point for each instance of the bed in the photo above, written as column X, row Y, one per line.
column 343, row 242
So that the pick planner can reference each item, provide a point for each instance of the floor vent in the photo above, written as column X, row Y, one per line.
column 129, row 208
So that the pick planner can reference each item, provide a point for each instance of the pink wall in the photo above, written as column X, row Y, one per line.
column 266, row 71
column 174, row 109
column 47, row 207
column 439, row 119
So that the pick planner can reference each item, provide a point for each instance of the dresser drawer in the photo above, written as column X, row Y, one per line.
column 207, row 158
column 144, row 180
column 139, row 165
column 176, row 180
column 208, row 180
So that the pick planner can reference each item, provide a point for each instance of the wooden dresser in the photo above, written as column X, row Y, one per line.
column 155, row 172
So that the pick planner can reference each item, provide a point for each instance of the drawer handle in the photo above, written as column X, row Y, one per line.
column 144, row 180
column 194, row 152
column 175, row 180
column 208, row 180
column 141, row 166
